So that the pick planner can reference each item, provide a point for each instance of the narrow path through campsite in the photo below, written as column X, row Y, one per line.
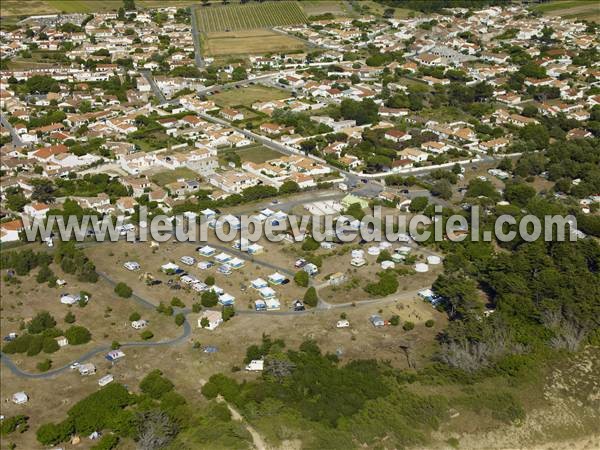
column 259, row 442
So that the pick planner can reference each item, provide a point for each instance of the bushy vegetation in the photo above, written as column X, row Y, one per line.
column 334, row 403
column 122, row 290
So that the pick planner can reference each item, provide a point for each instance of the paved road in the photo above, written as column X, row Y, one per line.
column 234, row 84
column 16, row 139
column 196, row 37
column 155, row 89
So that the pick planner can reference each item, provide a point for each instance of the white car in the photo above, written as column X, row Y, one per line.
column 74, row 366
column 189, row 260
column 131, row 265
column 342, row 324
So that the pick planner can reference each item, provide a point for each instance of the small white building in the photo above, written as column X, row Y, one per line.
column 342, row 324
column 256, row 365
column 20, row 398
column 139, row 324
column 214, row 318
column 106, row 379
column 86, row 369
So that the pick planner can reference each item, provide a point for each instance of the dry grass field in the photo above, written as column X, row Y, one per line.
column 318, row 7
column 248, row 95
column 220, row 44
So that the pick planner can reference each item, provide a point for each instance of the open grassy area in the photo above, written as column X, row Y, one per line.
column 318, row 7
column 249, row 42
column 377, row 9
column 246, row 96
column 566, row 4
column 170, row 176
column 257, row 154
column 249, row 16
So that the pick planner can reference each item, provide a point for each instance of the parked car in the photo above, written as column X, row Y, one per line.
column 300, row 263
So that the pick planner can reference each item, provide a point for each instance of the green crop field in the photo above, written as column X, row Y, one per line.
column 249, row 16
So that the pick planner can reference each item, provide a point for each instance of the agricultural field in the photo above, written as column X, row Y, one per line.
column 571, row 9
column 260, row 41
column 248, row 95
column 15, row 7
column 249, row 16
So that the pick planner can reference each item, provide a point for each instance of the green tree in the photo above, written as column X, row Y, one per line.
column 418, row 204
column 227, row 313
column 69, row 317
column 209, row 299
column 155, row 384
column 122, row 290
column 179, row 319
column 301, row 278
column 42, row 321
column 77, row 335
column 146, row 335
column 44, row 366
column 50, row 345
column 310, row 297
column 289, row 187
column 134, row 316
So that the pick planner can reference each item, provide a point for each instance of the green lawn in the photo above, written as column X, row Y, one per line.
column 258, row 154
column 246, row 96
column 170, row 176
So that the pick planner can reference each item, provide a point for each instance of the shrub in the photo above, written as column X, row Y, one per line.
column 196, row 307
column 108, row 442
column 310, row 297
column 10, row 424
column 122, row 290
column 52, row 434
column 210, row 280
column 134, row 316
column 209, row 299
column 77, row 335
column 155, row 385
column 310, row 245
column 146, row 334
column 35, row 345
column 430, row 323
column 228, row 312
column 384, row 255
column 167, row 310
column 70, row 317
column 115, row 345
column 395, row 320
column 408, row 326
column 50, row 345
column 44, row 366
column 42, row 321
column 301, row 278
column 176, row 301
column 179, row 319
